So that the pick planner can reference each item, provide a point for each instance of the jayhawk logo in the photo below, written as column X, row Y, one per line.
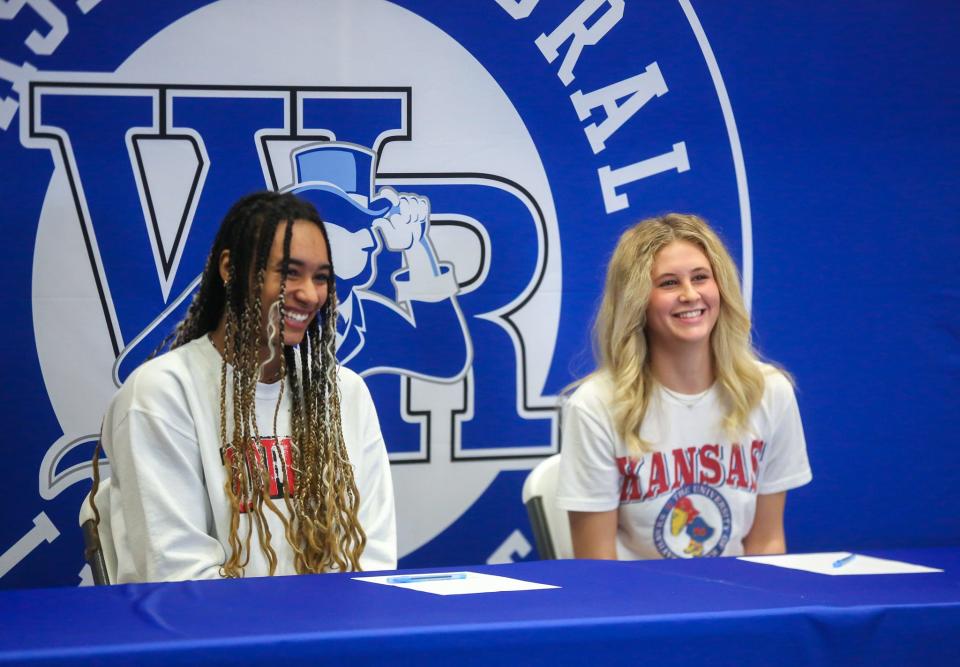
column 685, row 517
column 693, row 523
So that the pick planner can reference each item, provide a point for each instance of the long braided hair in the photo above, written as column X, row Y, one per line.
column 320, row 519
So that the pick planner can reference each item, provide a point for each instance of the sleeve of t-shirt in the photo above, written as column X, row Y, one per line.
column 589, row 475
column 785, row 465
column 157, row 486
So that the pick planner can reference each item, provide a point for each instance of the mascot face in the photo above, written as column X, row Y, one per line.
column 682, row 515
column 353, row 251
column 353, row 243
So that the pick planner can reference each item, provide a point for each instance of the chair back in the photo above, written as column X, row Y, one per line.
column 551, row 527
column 98, row 549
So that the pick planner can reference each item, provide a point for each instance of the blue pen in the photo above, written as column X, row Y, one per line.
column 417, row 578
column 843, row 561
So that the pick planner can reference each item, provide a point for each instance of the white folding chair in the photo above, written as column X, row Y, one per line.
column 98, row 550
column 551, row 527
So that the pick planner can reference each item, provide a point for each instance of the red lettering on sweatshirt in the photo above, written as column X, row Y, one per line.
column 738, row 473
column 756, row 453
column 271, row 459
column 684, row 467
column 711, row 467
column 659, row 477
column 629, row 478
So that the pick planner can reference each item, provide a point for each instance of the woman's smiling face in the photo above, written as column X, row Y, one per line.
column 308, row 279
column 684, row 300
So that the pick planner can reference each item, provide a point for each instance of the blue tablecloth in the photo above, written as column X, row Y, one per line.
column 684, row 612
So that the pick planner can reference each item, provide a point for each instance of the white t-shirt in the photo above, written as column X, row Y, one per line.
column 168, row 511
column 695, row 494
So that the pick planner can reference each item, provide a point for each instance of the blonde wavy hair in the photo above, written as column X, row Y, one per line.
column 620, row 341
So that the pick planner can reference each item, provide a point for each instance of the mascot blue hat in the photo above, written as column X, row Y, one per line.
column 338, row 180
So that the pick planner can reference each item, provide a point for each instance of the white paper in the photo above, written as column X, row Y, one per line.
column 471, row 582
column 823, row 563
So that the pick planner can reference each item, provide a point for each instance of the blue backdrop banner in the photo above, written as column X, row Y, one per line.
column 821, row 141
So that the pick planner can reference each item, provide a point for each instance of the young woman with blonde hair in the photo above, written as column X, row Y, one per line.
column 246, row 450
column 682, row 443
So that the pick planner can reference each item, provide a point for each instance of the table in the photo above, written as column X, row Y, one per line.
column 683, row 612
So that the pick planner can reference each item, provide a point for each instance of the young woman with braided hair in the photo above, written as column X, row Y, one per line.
column 245, row 450
column 682, row 443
